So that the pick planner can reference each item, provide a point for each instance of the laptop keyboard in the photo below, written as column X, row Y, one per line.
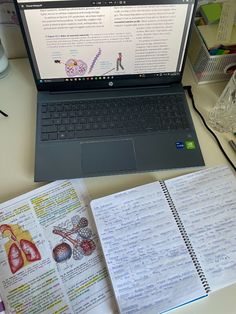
column 110, row 117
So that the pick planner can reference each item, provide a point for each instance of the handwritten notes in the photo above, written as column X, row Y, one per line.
column 150, row 267
column 206, row 203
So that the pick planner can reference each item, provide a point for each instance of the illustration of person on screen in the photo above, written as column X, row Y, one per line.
column 119, row 62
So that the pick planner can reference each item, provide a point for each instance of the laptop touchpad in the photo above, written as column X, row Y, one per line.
column 104, row 157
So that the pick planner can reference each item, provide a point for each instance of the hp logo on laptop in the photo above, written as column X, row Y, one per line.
column 110, row 83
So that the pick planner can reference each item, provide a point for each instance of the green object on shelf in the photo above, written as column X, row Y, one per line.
column 211, row 12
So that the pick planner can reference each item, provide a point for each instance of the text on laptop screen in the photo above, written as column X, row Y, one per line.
column 97, row 40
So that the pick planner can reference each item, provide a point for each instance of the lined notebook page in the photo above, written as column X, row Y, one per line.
column 150, row 268
column 206, row 203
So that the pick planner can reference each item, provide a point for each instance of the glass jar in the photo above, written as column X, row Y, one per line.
column 223, row 116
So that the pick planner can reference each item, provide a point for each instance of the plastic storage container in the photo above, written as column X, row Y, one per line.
column 207, row 68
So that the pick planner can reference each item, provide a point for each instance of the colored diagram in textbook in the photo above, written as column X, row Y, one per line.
column 20, row 247
column 76, row 240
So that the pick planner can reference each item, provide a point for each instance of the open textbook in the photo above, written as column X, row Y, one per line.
column 50, row 260
column 171, row 242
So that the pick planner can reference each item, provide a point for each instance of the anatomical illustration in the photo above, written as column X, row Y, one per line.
column 20, row 248
column 76, row 241
column 74, row 67
column 78, row 67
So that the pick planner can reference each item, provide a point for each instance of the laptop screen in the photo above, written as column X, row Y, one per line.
column 90, row 43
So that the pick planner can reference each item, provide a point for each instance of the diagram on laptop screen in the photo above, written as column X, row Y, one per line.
column 76, row 67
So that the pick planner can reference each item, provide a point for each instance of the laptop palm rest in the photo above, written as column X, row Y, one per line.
column 109, row 156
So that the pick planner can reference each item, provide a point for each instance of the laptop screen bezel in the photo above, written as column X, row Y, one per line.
column 117, row 82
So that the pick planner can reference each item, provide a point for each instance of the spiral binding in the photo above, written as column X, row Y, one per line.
column 185, row 237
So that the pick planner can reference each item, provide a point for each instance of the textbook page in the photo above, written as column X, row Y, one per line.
column 50, row 260
column 206, row 203
column 148, row 262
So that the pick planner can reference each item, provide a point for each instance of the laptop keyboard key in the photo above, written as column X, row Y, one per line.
column 47, row 122
column 44, row 137
column 61, row 128
column 65, row 121
column 52, row 136
column 70, row 127
column 70, row 134
column 62, row 135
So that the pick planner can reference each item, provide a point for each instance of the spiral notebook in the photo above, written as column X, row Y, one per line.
column 154, row 240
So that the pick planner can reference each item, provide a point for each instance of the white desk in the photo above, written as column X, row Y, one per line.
column 17, row 138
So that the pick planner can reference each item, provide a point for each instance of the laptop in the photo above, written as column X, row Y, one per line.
column 108, row 75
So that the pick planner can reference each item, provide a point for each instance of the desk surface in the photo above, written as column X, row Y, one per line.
column 17, row 140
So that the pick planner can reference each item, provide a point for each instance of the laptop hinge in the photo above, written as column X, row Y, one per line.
column 118, row 89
